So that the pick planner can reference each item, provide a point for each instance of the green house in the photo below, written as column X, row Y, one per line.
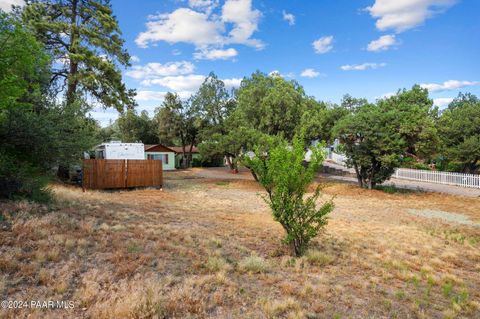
column 163, row 153
column 179, row 155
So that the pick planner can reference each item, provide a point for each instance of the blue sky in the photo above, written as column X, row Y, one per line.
column 367, row 48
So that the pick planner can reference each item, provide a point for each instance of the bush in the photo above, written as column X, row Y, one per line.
column 282, row 173
column 22, row 180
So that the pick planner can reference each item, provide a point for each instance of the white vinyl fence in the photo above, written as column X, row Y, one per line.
column 457, row 179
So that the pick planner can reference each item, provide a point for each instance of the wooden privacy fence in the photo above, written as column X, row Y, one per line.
column 457, row 179
column 104, row 174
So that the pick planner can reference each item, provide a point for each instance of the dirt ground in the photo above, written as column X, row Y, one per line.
column 206, row 246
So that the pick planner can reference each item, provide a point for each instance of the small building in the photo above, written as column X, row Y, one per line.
column 179, row 155
column 119, row 150
column 160, row 152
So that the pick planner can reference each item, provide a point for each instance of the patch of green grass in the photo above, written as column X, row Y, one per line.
column 392, row 189
column 222, row 183
column 415, row 281
column 400, row 295
column 454, row 235
column 318, row 258
column 216, row 264
column 253, row 264
column 447, row 288
column 133, row 247
column 460, row 298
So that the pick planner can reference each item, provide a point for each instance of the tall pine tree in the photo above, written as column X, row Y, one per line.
column 84, row 39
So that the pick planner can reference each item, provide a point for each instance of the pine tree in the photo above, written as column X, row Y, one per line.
column 84, row 38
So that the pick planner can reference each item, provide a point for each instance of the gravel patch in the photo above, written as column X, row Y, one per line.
column 445, row 216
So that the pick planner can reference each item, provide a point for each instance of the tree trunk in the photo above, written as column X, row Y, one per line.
column 72, row 74
column 189, row 161
column 184, row 157
column 296, row 247
column 359, row 177
column 229, row 162
column 184, row 154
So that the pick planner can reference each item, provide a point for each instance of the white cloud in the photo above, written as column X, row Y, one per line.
column 401, row 15
column 448, row 85
column 275, row 73
column 215, row 54
column 310, row 73
column 144, row 95
column 323, row 45
column 135, row 59
column 245, row 21
column 203, row 5
column 182, row 25
column 205, row 30
column 290, row 18
column 383, row 43
column 176, row 52
column 442, row 101
column 153, row 70
column 6, row 5
column 233, row 82
column 362, row 67
column 177, row 83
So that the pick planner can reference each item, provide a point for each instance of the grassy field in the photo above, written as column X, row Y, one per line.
column 208, row 248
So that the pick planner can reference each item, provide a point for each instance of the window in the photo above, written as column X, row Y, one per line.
column 162, row 157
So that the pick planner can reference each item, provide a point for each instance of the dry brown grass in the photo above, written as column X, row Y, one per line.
column 206, row 249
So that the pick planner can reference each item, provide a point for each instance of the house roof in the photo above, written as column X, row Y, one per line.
column 179, row 149
column 157, row 148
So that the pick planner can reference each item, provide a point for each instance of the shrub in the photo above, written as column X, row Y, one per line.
column 22, row 180
column 285, row 177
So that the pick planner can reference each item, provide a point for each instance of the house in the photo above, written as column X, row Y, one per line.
column 179, row 155
column 160, row 152
column 119, row 150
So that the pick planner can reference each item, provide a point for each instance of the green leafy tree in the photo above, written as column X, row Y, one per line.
column 459, row 127
column 234, row 144
column 377, row 136
column 317, row 121
column 136, row 128
column 177, row 122
column 24, row 66
column 215, row 105
column 37, row 134
column 284, row 176
column 84, row 38
column 271, row 105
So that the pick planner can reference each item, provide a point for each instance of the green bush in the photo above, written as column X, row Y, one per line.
column 422, row 166
column 281, row 171
column 22, row 180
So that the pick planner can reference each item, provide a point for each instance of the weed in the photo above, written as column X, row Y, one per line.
column 133, row 247
column 318, row 258
column 69, row 244
column 253, row 264
column 216, row 264
column 447, row 288
column 222, row 183
column 401, row 295
column 288, row 308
